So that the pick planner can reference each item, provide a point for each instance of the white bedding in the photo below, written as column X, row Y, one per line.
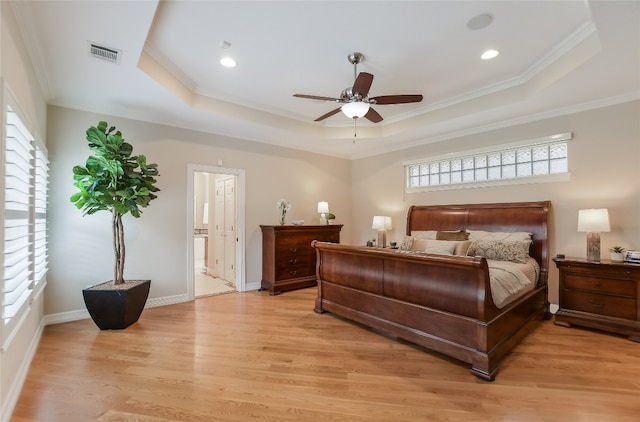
column 510, row 280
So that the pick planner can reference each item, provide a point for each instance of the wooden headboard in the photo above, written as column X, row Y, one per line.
column 504, row 217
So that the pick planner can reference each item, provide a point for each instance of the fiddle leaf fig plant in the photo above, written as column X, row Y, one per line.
column 114, row 180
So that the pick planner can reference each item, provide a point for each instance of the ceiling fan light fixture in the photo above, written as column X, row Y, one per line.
column 355, row 109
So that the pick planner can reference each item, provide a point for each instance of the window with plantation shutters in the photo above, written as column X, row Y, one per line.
column 24, row 257
column 17, row 266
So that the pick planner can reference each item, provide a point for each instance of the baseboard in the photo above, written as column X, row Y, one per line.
column 78, row 315
column 13, row 394
column 553, row 308
column 252, row 286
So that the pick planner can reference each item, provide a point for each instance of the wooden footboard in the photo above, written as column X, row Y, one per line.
column 440, row 302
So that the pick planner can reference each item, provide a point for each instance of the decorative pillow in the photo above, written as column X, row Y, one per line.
column 425, row 234
column 418, row 244
column 452, row 235
column 507, row 250
column 485, row 235
column 406, row 243
column 462, row 247
column 440, row 247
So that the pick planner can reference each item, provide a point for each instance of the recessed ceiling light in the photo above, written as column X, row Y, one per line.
column 489, row 54
column 228, row 62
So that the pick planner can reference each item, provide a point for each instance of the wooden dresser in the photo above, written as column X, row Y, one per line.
column 603, row 295
column 288, row 260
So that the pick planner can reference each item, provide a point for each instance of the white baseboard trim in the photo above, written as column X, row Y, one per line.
column 167, row 300
column 553, row 308
column 252, row 286
column 13, row 393
column 78, row 315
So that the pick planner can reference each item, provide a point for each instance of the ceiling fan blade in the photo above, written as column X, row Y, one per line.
column 329, row 114
column 315, row 97
column 397, row 99
column 373, row 116
column 362, row 84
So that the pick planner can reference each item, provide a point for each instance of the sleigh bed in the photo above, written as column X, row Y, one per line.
column 439, row 300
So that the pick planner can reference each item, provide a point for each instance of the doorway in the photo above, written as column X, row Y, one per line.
column 216, row 245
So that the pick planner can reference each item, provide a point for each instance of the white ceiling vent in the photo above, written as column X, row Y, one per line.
column 109, row 54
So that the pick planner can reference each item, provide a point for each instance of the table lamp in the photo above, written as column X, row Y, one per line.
column 323, row 209
column 382, row 223
column 593, row 221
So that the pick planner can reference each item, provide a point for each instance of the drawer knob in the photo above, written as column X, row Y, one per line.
column 597, row 283
column 596, row 304
column 293, row 272
column 293, row 250
column 293, row 261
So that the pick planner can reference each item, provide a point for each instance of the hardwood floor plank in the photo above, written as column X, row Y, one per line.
column 251, row 356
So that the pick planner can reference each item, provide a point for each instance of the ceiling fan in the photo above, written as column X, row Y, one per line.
column 355, row 101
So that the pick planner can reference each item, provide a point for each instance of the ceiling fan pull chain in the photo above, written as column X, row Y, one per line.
column 355, row 126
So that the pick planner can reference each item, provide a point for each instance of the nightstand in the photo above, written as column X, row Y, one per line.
column 602, row 295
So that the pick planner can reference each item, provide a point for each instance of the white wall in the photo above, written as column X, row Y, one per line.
column 604, row 161
column 17, row 72
column 80, row 247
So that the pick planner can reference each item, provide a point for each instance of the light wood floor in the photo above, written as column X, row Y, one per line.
column 251, row 356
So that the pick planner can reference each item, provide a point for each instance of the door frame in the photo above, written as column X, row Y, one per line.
column 192, row 169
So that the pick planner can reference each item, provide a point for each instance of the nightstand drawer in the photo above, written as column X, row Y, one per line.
column 613, row 306
column 600, row 285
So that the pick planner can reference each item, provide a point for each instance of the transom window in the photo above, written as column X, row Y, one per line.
column 514, row 163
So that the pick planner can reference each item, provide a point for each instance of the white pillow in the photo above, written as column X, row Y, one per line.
column 425, row 234
column 440, row 247
column 503, row 236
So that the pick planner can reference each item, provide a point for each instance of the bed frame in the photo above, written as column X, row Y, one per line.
column 439, row 302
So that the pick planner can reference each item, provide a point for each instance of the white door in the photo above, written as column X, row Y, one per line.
column 219, row 230
column 230, row 230
column 225, row 229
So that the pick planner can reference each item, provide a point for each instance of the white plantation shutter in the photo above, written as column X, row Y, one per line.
column 17, row 263
column 41, row 187
column 24, row 257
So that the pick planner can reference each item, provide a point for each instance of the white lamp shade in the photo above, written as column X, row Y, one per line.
column 323, row 207
column 355, row 109
column 381, row 222
column 593, row 220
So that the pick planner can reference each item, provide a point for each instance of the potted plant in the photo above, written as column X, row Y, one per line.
column 114, row 180
column 616, row 253
column 330, row 218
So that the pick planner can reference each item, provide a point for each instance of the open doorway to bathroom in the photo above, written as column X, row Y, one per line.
column 215, row 243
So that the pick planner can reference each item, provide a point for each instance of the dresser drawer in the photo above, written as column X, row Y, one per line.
column 600, row 285
column 613, row 306
column 295, row 266
column 294, row 247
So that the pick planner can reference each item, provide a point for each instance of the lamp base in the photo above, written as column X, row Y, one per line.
column 323, row 219
column 382, row 238
column 593, row 246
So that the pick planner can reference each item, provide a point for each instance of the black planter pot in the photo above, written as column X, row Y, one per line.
column 116, row 308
